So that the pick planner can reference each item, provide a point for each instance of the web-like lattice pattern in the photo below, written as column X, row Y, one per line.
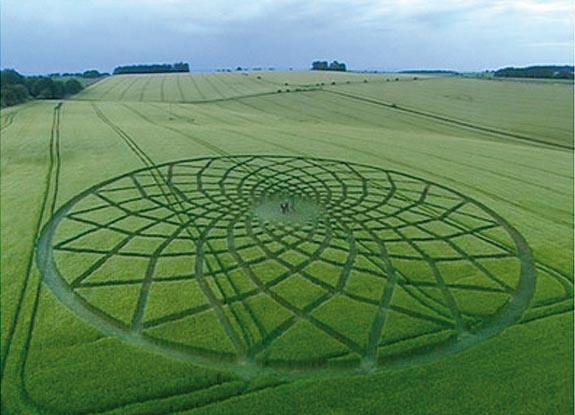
column 177, row 257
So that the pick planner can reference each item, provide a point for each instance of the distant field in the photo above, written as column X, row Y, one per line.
column 424, row 261
column 507, row 107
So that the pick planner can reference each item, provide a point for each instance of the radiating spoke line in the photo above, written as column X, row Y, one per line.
column 450, row 301
column 286, row 304
column 138, row 317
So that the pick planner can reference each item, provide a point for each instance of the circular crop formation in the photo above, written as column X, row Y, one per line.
column 286, row 262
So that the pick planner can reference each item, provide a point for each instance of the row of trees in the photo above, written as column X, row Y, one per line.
column 324, row 66
column 90, row 74
column 154, row 68
column 546, row 72
column 16, row 88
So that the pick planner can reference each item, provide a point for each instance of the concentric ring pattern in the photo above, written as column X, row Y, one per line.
column 367, row 267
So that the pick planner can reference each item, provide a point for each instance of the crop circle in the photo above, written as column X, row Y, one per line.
column 286, row 262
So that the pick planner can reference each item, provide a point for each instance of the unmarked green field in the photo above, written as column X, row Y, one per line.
column 183, row 291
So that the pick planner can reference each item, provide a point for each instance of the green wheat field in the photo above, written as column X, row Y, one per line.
column 289, row 243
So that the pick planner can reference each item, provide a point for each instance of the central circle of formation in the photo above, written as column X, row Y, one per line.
column 388, row 268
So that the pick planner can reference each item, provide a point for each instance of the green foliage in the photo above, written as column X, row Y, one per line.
column 13, row 95
column 542, row 72
column 16, row 89
column 72, row 86
column 155, row 68
column 11, row 77
column 13, row 89
column 324, row 66
column 93, row 73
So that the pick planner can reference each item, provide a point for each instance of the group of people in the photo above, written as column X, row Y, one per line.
column 286, row 207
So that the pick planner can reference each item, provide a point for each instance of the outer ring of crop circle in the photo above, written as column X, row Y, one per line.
column 506, row 316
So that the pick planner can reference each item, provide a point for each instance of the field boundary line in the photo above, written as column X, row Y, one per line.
column 197, row 102
column 451, row 120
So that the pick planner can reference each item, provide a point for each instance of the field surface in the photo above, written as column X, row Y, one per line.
column 286, row 242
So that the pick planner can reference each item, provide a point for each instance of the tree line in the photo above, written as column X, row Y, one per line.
column 16, row 88
column 545, row 72
column 325, row 66
column 90, row 74
column 153, row 68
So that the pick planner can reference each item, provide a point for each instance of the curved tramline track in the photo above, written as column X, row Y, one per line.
column 364, row 260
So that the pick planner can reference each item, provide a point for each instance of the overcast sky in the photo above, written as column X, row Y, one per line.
column 41, row 36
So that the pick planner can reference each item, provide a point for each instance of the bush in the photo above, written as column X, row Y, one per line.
column 13, row 95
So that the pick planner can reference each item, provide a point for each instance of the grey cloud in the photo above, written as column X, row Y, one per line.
column 68, row 35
